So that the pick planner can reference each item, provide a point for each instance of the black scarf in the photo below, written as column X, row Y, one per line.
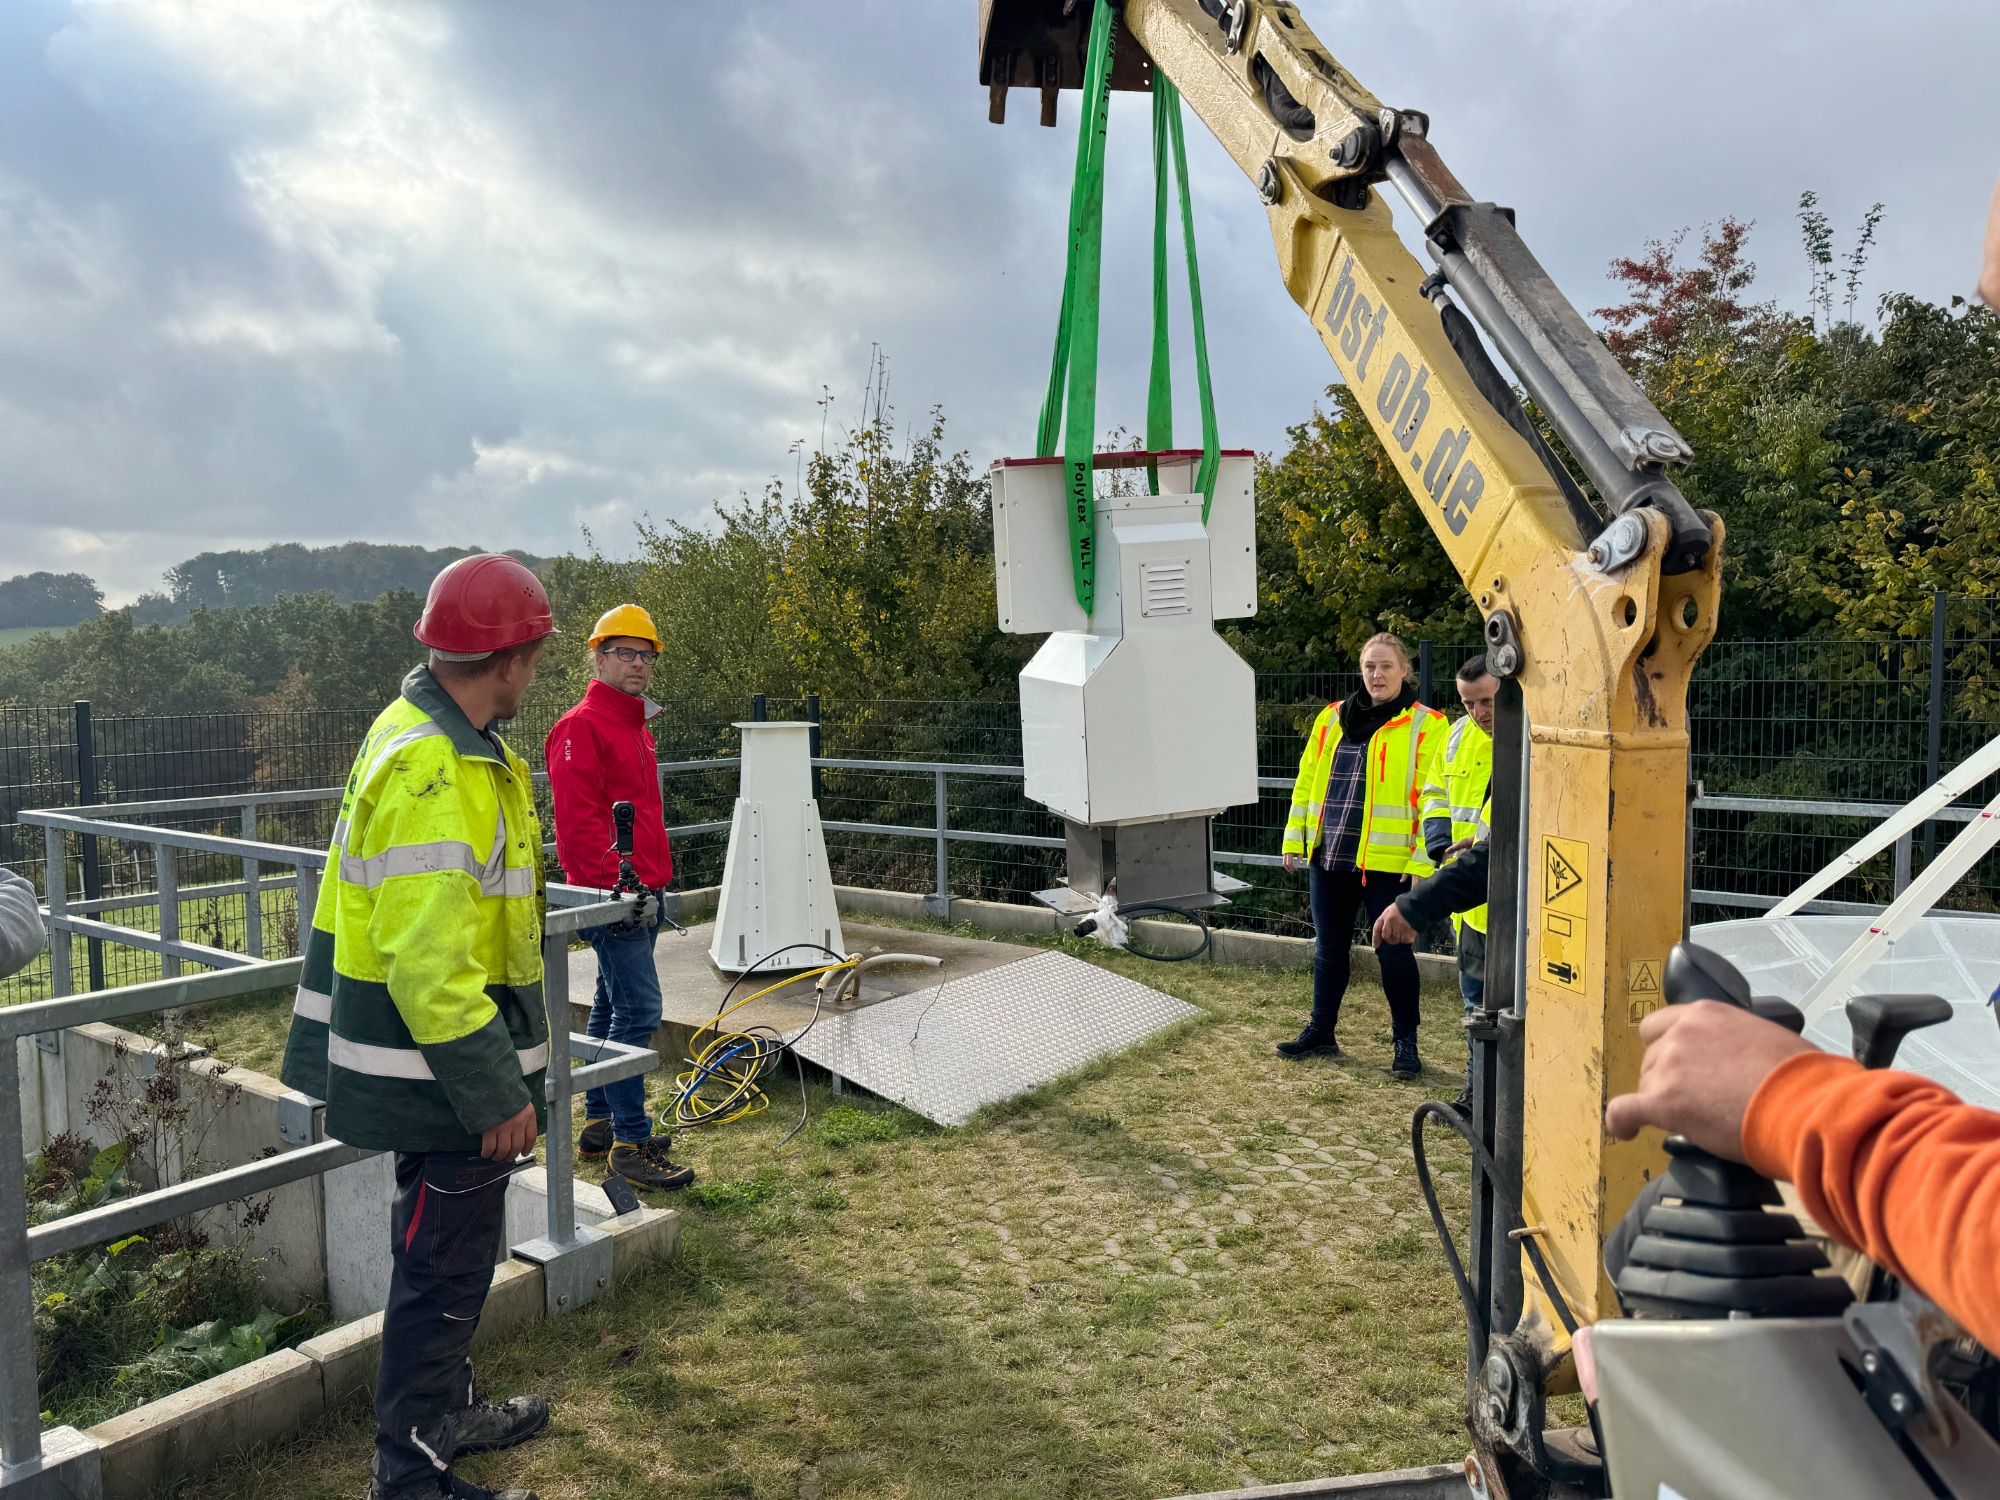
column 1361, row 716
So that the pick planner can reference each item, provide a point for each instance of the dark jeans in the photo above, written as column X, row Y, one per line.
column 627, row 1009
column 446, row 1229
column 1336, row 896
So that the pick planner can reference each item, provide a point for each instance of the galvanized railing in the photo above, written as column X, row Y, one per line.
column 576, row 1260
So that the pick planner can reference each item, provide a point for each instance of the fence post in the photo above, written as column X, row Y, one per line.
column 20, row 1399
column 1902, row 865
column 812, row 739
column 757, row 712
column 253, row 893
column 308, row 901
column 86, row 796
column 1935, row 757
column 169, row 881
column 940, row 899
column 55, row 894
column 1424, row 674
column 561, row 1178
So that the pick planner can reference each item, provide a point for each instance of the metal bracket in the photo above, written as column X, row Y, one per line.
column 299, row 1117
column 49, row 1041
column 68, row 1469
column 572, row 1274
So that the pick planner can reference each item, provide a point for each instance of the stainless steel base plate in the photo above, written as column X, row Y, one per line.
column 947, row 1050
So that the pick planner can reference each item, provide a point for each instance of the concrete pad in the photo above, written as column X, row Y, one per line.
column 516, row 1298
column 262, row 1402
column 348, row 1357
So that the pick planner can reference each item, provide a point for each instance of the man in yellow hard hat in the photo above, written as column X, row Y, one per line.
column 600, row 753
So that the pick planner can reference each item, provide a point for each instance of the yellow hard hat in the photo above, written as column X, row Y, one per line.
column 625, row 619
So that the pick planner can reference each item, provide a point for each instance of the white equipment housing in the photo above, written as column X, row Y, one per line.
column 1138, row 712
column 777, row 888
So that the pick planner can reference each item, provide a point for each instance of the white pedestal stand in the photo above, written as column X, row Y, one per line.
column 777, row 888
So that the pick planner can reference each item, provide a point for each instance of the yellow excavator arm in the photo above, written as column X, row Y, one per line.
column 1605, row 615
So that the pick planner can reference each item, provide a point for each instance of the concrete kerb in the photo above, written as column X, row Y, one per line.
column 271, row 1399
column 1231, row 945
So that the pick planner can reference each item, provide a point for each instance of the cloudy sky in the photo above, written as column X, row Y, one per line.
column 500, row 270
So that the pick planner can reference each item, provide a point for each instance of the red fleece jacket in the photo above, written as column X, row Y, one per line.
column 598, row 753
column 1894, row 1165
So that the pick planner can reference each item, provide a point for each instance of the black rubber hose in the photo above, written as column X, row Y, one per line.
column 1510, row 1212
column 1287, row 111
column 1207, row 932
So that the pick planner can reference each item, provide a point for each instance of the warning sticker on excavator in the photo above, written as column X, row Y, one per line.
column 1564, row 863
column 1562, row 949
column 1643, row 978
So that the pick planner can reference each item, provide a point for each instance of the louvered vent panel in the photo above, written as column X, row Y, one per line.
column 1164, row 588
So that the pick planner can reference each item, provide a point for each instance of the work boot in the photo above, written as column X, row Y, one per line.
column 1462, row 1105
column 484, row 1427
column 1312, row 1042
column 595, row 1141
column 645, row 1165
column 1407, row 1063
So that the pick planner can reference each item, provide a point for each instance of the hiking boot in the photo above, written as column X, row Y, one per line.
column 595, row 1141
column 1311, row 1042
column 1407, row 1063
column 484, row 1427
column 1462, row 1105
column 645, row 1165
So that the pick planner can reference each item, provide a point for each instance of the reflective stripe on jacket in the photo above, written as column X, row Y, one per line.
column 1456, row 790
column 1399, row 763
column 419, row 1017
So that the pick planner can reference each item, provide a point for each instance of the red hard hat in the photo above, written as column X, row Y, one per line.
column 486, row 602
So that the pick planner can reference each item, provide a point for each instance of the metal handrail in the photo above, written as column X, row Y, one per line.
column 571, row 909
column 106, row 819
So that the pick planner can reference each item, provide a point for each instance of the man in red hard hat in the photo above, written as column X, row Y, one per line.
column 600, row 753
column 419, row 1017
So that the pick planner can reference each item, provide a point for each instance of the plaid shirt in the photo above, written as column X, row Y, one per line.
column 1340, row 825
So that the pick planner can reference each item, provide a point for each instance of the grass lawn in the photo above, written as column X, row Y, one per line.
column 1193, row 1267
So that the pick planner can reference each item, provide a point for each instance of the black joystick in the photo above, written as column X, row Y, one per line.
column 1880, row 1022
column 1718, row 1251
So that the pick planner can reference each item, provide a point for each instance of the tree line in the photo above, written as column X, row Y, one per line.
column 1852, row 452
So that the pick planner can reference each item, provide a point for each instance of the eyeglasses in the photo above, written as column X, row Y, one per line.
column 629, row 653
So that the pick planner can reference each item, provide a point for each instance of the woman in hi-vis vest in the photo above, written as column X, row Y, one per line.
column 1356, row 821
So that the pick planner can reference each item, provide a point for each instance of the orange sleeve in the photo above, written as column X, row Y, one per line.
column 1897, row 1167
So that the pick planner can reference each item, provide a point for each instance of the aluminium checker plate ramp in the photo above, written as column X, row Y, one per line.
column 945, row 1051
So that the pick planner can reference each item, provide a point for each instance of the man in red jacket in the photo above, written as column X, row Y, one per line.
column 598, row 753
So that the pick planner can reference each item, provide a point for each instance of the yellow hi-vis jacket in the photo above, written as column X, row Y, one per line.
column 1399, row 762
column 1457, row 789
column 419, row 1017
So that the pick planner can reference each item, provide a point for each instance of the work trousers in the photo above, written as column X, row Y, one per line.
column 1471, row 981
column 626, row 1009
column 1336, row 896
column 447, row 1225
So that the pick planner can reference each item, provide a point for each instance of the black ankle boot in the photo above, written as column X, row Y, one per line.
column 1312, row 1042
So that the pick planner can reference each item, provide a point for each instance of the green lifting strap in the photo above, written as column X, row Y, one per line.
column 1069, row 407
column 1160, row 397
column 1076, row 328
